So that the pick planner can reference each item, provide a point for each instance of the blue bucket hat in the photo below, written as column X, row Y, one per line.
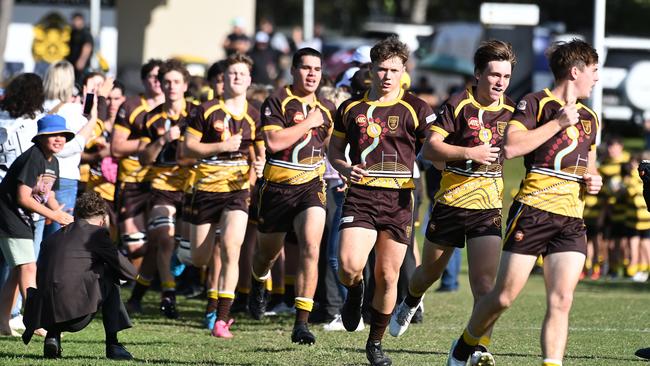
column 53, row 124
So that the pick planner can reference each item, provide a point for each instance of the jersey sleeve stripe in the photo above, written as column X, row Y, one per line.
column 518, row 125
column 271, row 128
column 194, row 132
column 439, row 131
column 124, row 129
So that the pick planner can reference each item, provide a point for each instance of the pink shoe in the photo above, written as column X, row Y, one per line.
column 222, row 329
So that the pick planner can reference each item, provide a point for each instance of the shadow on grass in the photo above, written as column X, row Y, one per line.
column 150, row 361
column 393, row 350
column 620, row 285
column 274, row 350
column 574, row 357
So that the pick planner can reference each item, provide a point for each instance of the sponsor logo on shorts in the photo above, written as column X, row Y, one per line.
column 497, row 221
column 586, row 125
column 432, row 226
column 346, row 220
column 408, row 231
column 362, row 120
column 473, row 123
column 501, row 127
column 519, row 235
column 298, row 117
column 521, row 105
column 393, row 122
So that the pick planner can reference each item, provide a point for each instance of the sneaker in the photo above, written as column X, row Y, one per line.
column 302, row 335
column 401, row 319
column 240, row 305
column 418, row 317
column 376, row 355
column 279, row 309
column 451, row 361
column 222, row 329
column 640, row 277
column 16, row 323
column 481, row 358
column 176, row 266
column 168, row 308
column 643, row 353
column 257, row 300
column 337, row 325
column 209, row 319
column 133, row 307
column 351, row 311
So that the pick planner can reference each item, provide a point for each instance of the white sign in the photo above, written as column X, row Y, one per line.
column 509, row 14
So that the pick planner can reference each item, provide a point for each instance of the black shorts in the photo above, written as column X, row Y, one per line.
column 618, row 230
column 380, row 209
column 131, row 199
column 279, row 204
column 592, row 229
column 207, row 207
column 255, row 198
column 167, row 198
column 532, row 231
column 452, row 226
column 643, row 234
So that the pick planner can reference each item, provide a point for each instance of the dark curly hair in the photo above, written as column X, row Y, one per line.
column 24, row 96
column 89, row 205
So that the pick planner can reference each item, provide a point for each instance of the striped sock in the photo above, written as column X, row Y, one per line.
column 224, row 304
column 212, row 301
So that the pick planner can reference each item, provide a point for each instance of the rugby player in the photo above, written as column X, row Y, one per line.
column 164, row 127
column 296, row 128
column 556, row 134
column 384, row 127
column 467, row 134
column 221, row 135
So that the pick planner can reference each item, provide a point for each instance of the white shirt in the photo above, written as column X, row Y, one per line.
column 70, row 156
column 15, row 138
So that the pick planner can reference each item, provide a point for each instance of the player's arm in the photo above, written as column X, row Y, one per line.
column 593, row 180
column 121, row 146
column 283, row 138
column 150, row 150
column 194, row 148
column 436, row 149
column 336, row 151
column 521, row 141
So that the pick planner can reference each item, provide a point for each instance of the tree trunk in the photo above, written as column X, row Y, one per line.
column 419, row 11
column 6, row 12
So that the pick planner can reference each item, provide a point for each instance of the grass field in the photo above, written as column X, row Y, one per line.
column 609, row 321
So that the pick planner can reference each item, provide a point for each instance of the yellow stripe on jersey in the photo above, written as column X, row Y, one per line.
column 271, row 128
column 169, row 178
column 518, row 125
column 215, row 178
column 141, row 108
column 124, row 129
column 131, row 171
column 416, row 121
column 439, row 130
column 194, row 132
column 387, row 182
column 104, row 188
column 338, row 134
column 284, row 175
column 553, row 194
column 474, row 193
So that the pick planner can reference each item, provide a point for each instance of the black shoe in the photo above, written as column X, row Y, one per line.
column 643, row 353
column 134, row 307
column 168, row 308
column 302, row 335
column 257, row 299
column 117, row 352
column 240, row 305
column 351, row 311
column 418, row 317
column 51, row 348
column 376, row 355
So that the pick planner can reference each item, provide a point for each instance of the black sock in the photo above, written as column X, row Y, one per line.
column 463, row 350
column 111, row 338
column 138, row 292
column 378, row 324
column 356, row 290
column 412, row 301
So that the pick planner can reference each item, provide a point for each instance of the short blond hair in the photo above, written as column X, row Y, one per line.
column 59, row 81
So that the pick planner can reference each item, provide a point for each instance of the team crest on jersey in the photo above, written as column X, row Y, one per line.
column 519, row 235
column 218, row 125
column 473, row 123
column 586, row 126
column 298, row 117
column 521, row 105
column 393, row 122
column 267, row 111
column 501, row 127
column 361, row 120
column 121, row 113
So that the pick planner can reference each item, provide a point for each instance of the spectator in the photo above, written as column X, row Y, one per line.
column 237, row 41
column 265, row 60
column 81, row 46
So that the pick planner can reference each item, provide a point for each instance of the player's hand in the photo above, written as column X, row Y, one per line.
column 232, row 143
column 174, row 133
column 106, row 87
column 258, row 165
column 357, row 172
column 315, row 118
column 568, row 114
column 482, row 154
column 594, row 183
column 62, row 217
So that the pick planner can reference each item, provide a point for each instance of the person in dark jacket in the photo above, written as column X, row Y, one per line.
column 78, row 271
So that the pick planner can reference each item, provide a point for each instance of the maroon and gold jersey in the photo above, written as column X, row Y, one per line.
column 554, row 170
column 131, row 118
column 225, row 172
column 166, row 174
column 384, row 136
column 463, row 121
column 303, row 161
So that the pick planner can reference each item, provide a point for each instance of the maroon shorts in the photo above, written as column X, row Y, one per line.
column 380, row 209
column 167, row 198
column 207, row 207
column 255, row 198
column 533, row 231
column 131, row 199
column 279, row 204
column 452, row 226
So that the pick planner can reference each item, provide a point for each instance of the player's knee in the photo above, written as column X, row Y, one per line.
column 482, row 286
column 504, row 301
column 387, row 278
column 561, row 302
column 349, row 276
column 27, row 268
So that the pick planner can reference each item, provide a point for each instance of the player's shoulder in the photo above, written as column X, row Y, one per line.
column 278, row 96
column 326, row 103
column 350, row 102
column 132, row 102
column 414, row 101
